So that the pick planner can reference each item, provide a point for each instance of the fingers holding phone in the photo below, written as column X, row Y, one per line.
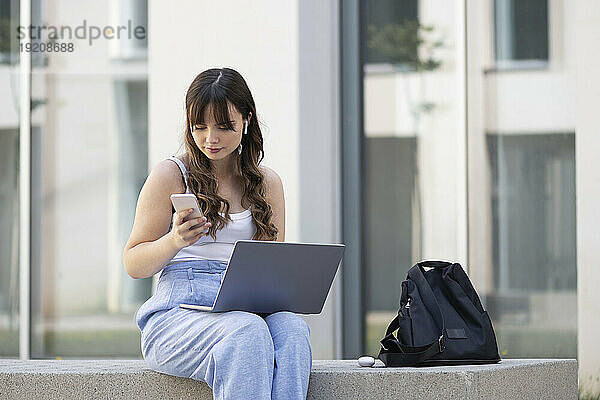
column 189, row 224
column 186, row 230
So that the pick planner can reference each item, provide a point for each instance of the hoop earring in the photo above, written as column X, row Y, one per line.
column 239, row 149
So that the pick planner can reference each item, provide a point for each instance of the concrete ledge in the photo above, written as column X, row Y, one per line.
column 341, row 379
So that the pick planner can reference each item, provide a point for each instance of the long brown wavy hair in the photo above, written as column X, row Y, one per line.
column 217, row 89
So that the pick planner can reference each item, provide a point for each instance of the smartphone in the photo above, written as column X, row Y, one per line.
column 184, row 201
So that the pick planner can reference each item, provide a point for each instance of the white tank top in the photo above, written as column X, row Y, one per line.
column 241, row 227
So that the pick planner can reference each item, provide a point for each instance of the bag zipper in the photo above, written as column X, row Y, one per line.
column 407, row 306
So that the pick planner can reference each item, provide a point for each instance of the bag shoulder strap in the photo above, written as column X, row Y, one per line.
column 427, row 296
column 409, row 356
column 414, row 355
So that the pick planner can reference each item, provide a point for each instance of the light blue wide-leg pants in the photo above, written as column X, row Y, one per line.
column 240, row 355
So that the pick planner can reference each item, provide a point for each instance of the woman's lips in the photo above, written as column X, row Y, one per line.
column 214, row 150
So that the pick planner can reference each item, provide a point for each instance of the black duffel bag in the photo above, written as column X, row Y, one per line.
column 440, row 321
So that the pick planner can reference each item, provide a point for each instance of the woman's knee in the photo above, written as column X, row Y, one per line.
column 288, row 323
column 247, row 332
column 248, row 323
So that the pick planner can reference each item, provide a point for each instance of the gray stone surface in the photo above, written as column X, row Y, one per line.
column 339, row 379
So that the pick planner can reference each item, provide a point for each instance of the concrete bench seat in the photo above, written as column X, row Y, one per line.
column 337, row 379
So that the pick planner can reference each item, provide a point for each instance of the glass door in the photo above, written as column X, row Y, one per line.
column 412, row 147
column 89, row 161
column 9, row 177
column 522, row 221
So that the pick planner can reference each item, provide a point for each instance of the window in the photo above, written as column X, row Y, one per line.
column 534, row 263
column 521, row 30
column 134, row 12
column 392, row 31
column 9, row 20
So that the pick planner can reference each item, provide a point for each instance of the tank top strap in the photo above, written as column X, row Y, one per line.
column 183, row 171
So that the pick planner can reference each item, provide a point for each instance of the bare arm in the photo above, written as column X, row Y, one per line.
column 147, row 258
column 151, row 246
column 276, row 199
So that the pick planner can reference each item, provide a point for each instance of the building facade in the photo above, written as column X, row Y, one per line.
column 408, row 130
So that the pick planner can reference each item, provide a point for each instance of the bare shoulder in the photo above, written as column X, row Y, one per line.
column 272, row 178
column 276, row 198
column 166, row 174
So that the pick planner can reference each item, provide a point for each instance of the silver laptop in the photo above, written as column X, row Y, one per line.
column 269, row 276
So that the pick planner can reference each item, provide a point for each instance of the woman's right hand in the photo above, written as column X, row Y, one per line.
column 181, row 232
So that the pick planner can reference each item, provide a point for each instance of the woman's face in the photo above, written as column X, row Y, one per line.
column 214, row 139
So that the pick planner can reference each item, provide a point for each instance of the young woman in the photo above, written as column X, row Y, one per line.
column 240, row 355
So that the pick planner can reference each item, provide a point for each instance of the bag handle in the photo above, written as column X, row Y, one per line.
column 434, row 264
column 459, row 279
